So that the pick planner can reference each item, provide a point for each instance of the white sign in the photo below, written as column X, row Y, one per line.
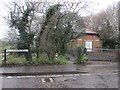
column 88, row 45
column 19, row 50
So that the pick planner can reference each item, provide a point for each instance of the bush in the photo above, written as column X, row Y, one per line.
column 81, row 55
column 46, row 61
column 60, row 60
column 20, row 60
column 33, row 49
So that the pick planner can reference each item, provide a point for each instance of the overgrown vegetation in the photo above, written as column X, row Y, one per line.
column 20, row 60
column 1, row 59
column 56, row 31
column 81, row 55
column 25, row 36
column 44, row 32
column 107, row 35
column 2, row 48
column 105, row 23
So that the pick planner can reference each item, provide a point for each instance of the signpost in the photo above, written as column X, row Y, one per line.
column 13, row 50
column 19, row 50
column 5, row 55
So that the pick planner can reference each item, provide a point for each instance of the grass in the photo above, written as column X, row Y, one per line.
column 6, row 47
column 20, row 60
column 81, row 60
column 44, row 60
column 61, row 60
column 15, row 59
column 2, row 50
column 1, row 59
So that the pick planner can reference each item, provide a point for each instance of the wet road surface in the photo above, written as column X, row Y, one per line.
column 95, row 68
column 73, row 81
column 98, row 76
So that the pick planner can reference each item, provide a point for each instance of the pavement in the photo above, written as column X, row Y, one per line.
column 59, row 69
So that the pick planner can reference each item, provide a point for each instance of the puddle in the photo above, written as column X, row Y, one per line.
column 43, row 80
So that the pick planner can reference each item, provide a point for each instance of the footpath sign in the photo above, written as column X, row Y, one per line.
column 13, row 50
column 19, row 50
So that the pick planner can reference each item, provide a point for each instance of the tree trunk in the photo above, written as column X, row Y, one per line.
column 50, row 56
column 28, row 55
column 37, row 51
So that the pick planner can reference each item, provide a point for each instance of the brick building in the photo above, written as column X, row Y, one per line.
column 89, row 39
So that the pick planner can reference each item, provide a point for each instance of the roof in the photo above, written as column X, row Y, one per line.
column 88, row 31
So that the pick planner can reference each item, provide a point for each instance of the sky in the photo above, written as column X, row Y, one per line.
column 95, row 7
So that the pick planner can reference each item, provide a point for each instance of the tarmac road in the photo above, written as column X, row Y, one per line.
column 108, row 80
column 98, row 76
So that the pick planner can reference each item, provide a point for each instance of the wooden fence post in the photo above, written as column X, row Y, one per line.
column 4, row 56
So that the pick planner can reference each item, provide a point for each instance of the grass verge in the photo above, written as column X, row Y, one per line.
column 20, row 60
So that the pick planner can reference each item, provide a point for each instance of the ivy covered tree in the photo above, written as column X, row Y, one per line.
column 20, row 22
column 57, row 30
column 46, row 35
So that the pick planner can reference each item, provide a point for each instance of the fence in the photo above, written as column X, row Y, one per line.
column 99, row 54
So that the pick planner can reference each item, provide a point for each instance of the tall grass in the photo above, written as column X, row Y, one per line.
column 20, row 60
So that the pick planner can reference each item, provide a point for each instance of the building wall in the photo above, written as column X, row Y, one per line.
column 96, row 41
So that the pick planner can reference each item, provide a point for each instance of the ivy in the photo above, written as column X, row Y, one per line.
column 25, row 37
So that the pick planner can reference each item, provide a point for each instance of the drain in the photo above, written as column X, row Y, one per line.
column 43, row 80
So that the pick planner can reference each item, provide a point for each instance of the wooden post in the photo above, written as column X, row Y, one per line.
column 4, row 56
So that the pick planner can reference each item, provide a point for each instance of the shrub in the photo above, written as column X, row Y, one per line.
column 60, row 60
column 46, row 61
column 26, row 62
column 16, row 60
column 11, row 59
column 33, row 49
column 81, row 55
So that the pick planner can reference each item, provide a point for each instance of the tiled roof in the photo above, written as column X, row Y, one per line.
column 89, row 31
